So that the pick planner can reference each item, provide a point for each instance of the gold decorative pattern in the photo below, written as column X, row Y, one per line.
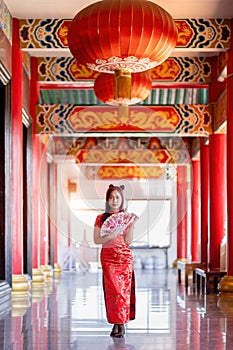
column 126, row 172
column 180, row 119
column 192, row 33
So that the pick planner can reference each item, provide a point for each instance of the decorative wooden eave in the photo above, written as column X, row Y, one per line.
column 194, row 34
column 174, row 69
column 183, row 120
column 117, row 172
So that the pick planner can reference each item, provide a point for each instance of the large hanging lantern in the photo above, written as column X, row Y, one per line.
column 123, row 90
column 133, row 35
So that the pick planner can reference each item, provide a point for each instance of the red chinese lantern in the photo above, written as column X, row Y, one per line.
column 116, row 92
column 133, row 35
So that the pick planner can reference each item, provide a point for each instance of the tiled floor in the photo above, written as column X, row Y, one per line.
column 70, row 314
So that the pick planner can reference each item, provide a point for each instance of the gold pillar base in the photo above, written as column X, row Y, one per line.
column 20, row 295
column 226, row 285
column 47, row 272
column 176, row 261
column 57, row 269
column 38, row 277
column 20, row 304
column 225, row 297
column 38, row 291
column 20, row 285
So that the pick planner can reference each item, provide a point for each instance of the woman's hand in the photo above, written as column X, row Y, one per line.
column 100, row 240
column 128, row 236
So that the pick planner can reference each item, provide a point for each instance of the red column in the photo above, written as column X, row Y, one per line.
column 55, row 216
column 43, row 190
column 35, row 201
column 17, row 153
column 217, row 159
column 204, row 160
column 195, row 209
column 34, row 96
column 181, row 212
column 230, row 160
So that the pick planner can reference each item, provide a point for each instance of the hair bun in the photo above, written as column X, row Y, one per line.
column 122, row 187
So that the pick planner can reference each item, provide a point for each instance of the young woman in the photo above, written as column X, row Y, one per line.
column 117, row 264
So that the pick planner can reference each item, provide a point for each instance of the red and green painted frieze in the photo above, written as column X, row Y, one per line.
column 176, row 119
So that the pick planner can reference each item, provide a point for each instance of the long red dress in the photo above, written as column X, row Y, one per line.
column 118, row 279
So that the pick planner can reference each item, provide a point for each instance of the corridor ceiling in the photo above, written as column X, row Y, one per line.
column 67, row 9
column 35, row 9
column 163, row 93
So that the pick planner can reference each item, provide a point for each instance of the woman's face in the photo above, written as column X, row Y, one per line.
column 114, row 200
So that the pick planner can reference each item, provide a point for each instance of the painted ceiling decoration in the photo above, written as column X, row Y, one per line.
column 106, row 158
column 179, row 70
column 214, row 34
column 157, row 96
column 177, row 106
column 71, row 145
column 192, row 33
column 158, row 161
column 142, row 156
column 100, row 156
column 174, row 69
column 5, row 20
column 123, row 150
column 129, row 172
column 69, row 119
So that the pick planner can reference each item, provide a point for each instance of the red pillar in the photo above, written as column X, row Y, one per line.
column 204, row 160
column 17, row 153
column 195, row 209
column 55, row 216
column 34, row 97
column 181, row 212
column 230, row 160
column 217, row 153
column 43, row 191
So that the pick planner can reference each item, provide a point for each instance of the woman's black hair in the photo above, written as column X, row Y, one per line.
column 110, row 189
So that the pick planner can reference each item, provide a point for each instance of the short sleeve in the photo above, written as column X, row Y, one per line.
column 98, row 221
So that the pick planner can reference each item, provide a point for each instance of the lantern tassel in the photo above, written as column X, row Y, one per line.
column 122, row 85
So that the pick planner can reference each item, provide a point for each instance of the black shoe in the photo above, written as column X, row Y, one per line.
column 121, row 331
column 114, row 330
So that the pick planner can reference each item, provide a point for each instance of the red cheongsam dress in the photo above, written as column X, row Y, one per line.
column 118, row 279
